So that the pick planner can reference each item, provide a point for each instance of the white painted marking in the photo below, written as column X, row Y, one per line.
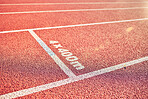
column 57, row 46
column 72, row 3
column 70, row 80
column 71, row 58
column 67, row 54
column 66, row 70
column 62, row 50
column 75, row 10
column 77, row 65
column 78, row 25
column 53, row 42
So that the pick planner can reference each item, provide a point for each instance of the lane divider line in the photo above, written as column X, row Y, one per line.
column 77, row 25
column 72, row 3
column 59, row 62
column 32, row 90
column 73, row 10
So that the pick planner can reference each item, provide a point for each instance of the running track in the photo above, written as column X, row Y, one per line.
column 55, row 49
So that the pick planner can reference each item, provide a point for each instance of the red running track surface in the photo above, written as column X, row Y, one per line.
column 25, row 64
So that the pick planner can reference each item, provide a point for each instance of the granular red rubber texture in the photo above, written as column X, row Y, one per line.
column 25, row 64
column 28, row 21
column 41, row 7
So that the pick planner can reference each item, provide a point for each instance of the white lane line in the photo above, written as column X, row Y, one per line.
column 78, row 25
column 66, row 70
column 70, row 80
column 73, row 3
column 75, row 10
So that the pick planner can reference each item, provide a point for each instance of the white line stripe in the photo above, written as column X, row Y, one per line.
column 70, row 80
column 66, row 70
column 75, row 10
column 78, row 25
column 72, row 3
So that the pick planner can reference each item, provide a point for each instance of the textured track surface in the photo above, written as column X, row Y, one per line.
column 28, row 59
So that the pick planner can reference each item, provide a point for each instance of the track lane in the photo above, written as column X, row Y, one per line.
column 27, row 21
column 22, row 8
column 64, row 1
